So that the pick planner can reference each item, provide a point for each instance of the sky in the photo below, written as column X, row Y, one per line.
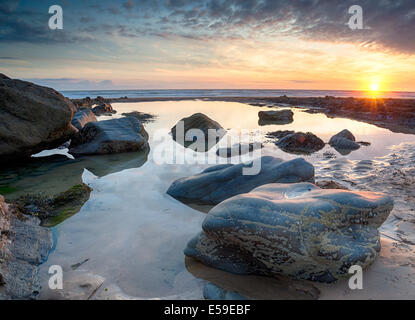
column 210, row 44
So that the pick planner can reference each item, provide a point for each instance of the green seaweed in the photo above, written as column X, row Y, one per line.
column 7, row 190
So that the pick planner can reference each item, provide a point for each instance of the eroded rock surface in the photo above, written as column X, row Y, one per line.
column 110, row 136
column 32, row 118
column 221, row 182
column 23, row 246
column 298, row 230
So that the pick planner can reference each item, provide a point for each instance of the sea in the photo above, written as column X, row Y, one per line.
column 210, row 93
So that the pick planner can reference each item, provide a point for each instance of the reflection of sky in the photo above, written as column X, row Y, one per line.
column 209, row 44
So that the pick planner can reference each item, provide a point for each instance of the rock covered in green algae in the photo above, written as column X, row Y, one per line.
column 53, row 210
column 298, row 230
column 221, row 182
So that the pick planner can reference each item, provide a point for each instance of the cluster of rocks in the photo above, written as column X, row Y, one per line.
column 34, row 118
column 289, row 141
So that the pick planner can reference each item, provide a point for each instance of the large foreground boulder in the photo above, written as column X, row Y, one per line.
column 344, row 142
column 110, row 136
column 297, row 230
column 300, row 143
column 276, row 117
column 82, row 117
column 221, row 182
column 23, row 246
column 32, row 119
column 182, row 132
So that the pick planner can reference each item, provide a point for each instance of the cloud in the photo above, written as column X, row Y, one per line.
column 388, row 24
column 72, row 83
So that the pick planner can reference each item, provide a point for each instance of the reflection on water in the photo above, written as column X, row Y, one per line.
column 133, row 234
column 57, row 173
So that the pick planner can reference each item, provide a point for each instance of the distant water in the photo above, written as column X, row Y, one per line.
column 228, row 93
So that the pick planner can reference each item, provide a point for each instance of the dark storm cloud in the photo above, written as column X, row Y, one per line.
column 389, row 24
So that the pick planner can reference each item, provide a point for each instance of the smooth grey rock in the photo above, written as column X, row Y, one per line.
column 300, row 143
column 110, row 136
column 221, row 182
column 297, row 230
column 275, row 117
column 82, row 117
column 344, row 142
column 203, row 123
column 32, row 119
column 23, row 246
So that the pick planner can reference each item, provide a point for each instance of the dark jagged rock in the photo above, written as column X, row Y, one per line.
column 297, row 230
column 221, row 182
column 32, row 119
column 23, row 246
column 200, row 122
column 140, row 116
column 300, row 143
column 82, row 117
column 110, row 136
column 103, row 109
column 275, row 117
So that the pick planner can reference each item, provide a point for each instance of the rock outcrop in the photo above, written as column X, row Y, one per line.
column 110, row 136
column 297, row 230
column 221, row 182
column 23, row 246
column 300, row 143
column 182, row 132
column 275, row 117
column 82, row 117
column 32, row 119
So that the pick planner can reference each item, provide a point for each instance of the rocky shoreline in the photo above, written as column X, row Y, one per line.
column 397, row 115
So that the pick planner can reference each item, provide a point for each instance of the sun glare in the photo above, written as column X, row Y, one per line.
column 374, row 87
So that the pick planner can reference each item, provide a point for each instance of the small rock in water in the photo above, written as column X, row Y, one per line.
column 344, row 142
column 297, row 230
column 300, row 143
column 103, row 109
column 275, row 117
column 199, row 123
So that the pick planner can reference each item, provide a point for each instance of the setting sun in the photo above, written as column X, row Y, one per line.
column 374, row 87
